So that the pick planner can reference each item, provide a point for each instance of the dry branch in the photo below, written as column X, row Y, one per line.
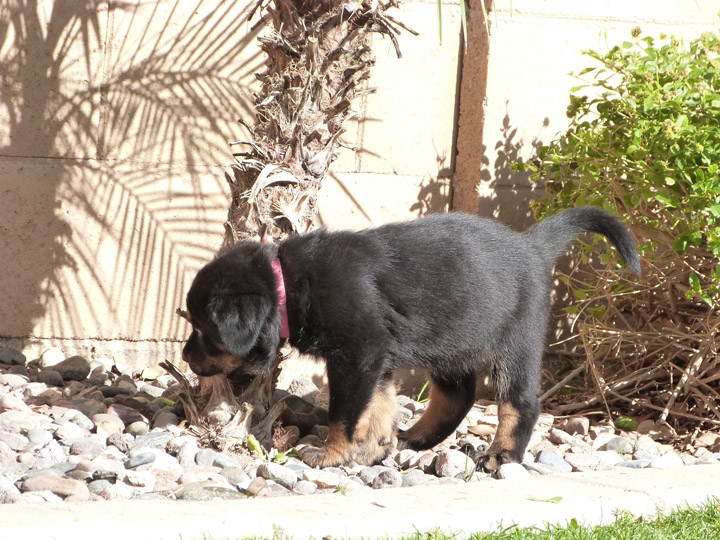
column 651, row 350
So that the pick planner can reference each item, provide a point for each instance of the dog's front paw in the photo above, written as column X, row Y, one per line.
column 321, row 457
column 371, row 452
column 490, row 461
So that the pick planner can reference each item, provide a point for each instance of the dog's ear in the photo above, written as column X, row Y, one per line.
column 239, row 321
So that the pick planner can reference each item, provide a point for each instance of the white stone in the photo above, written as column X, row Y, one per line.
column 51, row 357
column 512, row 470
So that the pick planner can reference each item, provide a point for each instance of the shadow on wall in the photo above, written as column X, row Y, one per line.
column 506, row 194
column 113, row 120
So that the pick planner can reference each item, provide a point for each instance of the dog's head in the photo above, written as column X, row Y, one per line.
column 232, row 305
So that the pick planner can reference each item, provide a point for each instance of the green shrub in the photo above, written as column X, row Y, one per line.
column 644, row 143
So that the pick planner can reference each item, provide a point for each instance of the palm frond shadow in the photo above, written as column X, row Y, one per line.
column 143, row 134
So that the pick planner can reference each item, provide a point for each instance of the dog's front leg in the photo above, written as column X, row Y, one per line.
column 362, row 412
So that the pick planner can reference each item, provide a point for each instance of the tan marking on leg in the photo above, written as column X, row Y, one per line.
column 374, row 434
column 504, row 443
column 440, row 407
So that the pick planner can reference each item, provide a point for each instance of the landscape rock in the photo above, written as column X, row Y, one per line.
column 11, row 356
column 451, row 463
column 63, row 487
column 512, row 470
column 75, row 368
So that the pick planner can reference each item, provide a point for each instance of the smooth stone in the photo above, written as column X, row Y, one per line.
column 669, row 460
column 259, row 487
column 18, row 370
column 13, row 380
column 137, row 428
column 208, row 493
column 154, row 439
column 51, row 356
column 236, row 476
column 322, row 478
column 75, row 368
column 621, row 445
column 450, row 463
column 577, row 425
column 97, row 486
column 414, row 477
column 108, row 424
column 140, row 459
column 122, row 441
column 387, row 479
column 50, row 377
column 546, row 457
column 22, row 421
column 11, row 403
column 11, row 356
column 541, row 468
column 404, row 457
column 39, row 436
column 63, row 487
column 635, row 464
column 482, row 430
column 89, row 448
column 114, row 391
column 609, row 457
column 303, row 487
column 70, row 432
column 117, row 491
column 645, row 448
column 512, row 470
column 9, row 494
column 282, row 475
column 368, row 474
column 164, row 418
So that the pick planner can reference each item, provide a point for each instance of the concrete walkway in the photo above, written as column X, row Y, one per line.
column 462, row 509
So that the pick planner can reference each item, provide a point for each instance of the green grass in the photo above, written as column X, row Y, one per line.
column 702, row 523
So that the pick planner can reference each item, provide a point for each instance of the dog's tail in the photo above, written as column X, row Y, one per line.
column 555, row 233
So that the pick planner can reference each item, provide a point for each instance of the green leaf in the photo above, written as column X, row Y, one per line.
column 626, row 423
column 254, row 446
column 695, row 282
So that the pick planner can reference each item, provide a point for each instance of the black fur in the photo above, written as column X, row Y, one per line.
column 447, row 293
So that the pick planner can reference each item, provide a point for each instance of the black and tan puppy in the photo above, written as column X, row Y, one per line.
column 448, row 293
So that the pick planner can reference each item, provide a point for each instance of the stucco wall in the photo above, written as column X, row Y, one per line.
column 515, row 85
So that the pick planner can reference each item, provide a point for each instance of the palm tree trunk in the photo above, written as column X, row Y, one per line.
column 319, row 56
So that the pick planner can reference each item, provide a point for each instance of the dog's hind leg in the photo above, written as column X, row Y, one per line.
column 450, row 401
column 515, row 377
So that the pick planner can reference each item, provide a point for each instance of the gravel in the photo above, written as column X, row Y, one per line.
column 72, row 429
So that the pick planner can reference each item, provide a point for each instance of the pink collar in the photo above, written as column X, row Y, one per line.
column 282, row 298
